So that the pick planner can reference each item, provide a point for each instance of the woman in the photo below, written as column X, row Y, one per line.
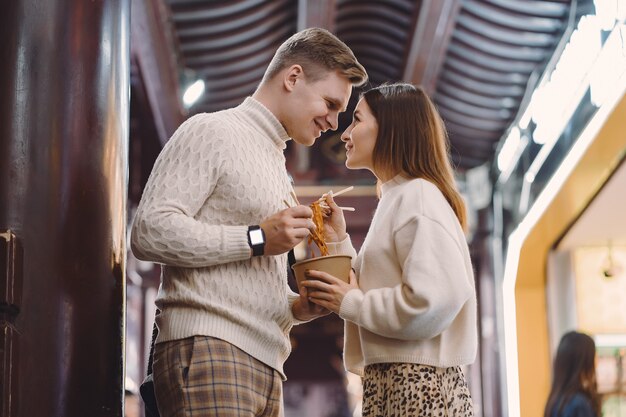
column 574, row 390
column 410, row 306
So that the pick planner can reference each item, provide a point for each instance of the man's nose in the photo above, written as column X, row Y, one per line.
column 333, row 120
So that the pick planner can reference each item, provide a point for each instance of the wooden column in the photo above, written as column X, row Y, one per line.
column 64, row 100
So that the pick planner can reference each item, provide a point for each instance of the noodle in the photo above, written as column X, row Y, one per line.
column 317, row 235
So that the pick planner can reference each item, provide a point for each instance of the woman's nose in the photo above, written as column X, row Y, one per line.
column 345, row 136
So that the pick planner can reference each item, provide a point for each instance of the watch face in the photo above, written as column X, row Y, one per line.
column 256, row 237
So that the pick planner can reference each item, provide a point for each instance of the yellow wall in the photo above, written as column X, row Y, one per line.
column 594, row 168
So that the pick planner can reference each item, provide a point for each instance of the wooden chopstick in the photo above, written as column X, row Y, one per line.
column 345, row 190
column 295, row 198
column 325, row 206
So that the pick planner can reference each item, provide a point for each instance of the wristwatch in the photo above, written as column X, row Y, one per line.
column 256, row 240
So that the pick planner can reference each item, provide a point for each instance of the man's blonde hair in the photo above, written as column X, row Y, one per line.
column 318, row 52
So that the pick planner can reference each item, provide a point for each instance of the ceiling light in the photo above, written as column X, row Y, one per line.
column 510, row 150
column 193, row 93
column 610, row 268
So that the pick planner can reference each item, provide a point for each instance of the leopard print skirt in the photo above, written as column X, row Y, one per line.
column 407, row 389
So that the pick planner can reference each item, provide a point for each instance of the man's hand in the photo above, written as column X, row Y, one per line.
column 286, row 229
column 304, row 310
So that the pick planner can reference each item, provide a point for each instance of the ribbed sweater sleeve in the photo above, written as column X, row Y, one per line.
column 430, row 295
column 344, row 247
column 166, row 229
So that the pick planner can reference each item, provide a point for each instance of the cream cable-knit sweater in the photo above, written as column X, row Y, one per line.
column 416, row 302
column 218, row 174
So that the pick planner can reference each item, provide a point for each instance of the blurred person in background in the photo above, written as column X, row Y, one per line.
column 574, row 391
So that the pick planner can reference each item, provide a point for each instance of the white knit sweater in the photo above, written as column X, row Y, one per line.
column 218, row 174
column 416, row 302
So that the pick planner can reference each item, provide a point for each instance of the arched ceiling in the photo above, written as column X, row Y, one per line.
column 475, row 57
column 495, row 48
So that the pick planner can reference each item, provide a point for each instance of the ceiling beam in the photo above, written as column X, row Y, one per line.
column 429, row 39
column 152, row 46
column 318, row 13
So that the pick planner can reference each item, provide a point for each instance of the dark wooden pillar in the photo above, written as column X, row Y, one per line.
column 64, row 100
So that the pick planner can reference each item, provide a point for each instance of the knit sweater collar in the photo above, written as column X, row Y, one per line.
column 265, row 121
column 396, row 181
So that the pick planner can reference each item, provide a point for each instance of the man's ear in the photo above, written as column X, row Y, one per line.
column 291, row 75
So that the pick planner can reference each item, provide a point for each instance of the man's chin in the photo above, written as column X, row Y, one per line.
column 309, row 141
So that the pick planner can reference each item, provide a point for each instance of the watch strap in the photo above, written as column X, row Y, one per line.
column 259, row 248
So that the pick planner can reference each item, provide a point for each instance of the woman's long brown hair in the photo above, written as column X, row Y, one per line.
column 412, row 140
column 574, row 373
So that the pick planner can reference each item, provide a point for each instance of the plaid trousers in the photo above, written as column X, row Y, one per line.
column 202, row 376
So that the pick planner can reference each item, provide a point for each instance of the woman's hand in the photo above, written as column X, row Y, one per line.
column 304, row 310
column 326, row 290
column 334, row 223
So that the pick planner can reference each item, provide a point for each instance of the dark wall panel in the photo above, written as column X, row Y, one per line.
column 64, row 97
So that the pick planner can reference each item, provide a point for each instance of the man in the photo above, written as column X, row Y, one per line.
column 213, row 213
